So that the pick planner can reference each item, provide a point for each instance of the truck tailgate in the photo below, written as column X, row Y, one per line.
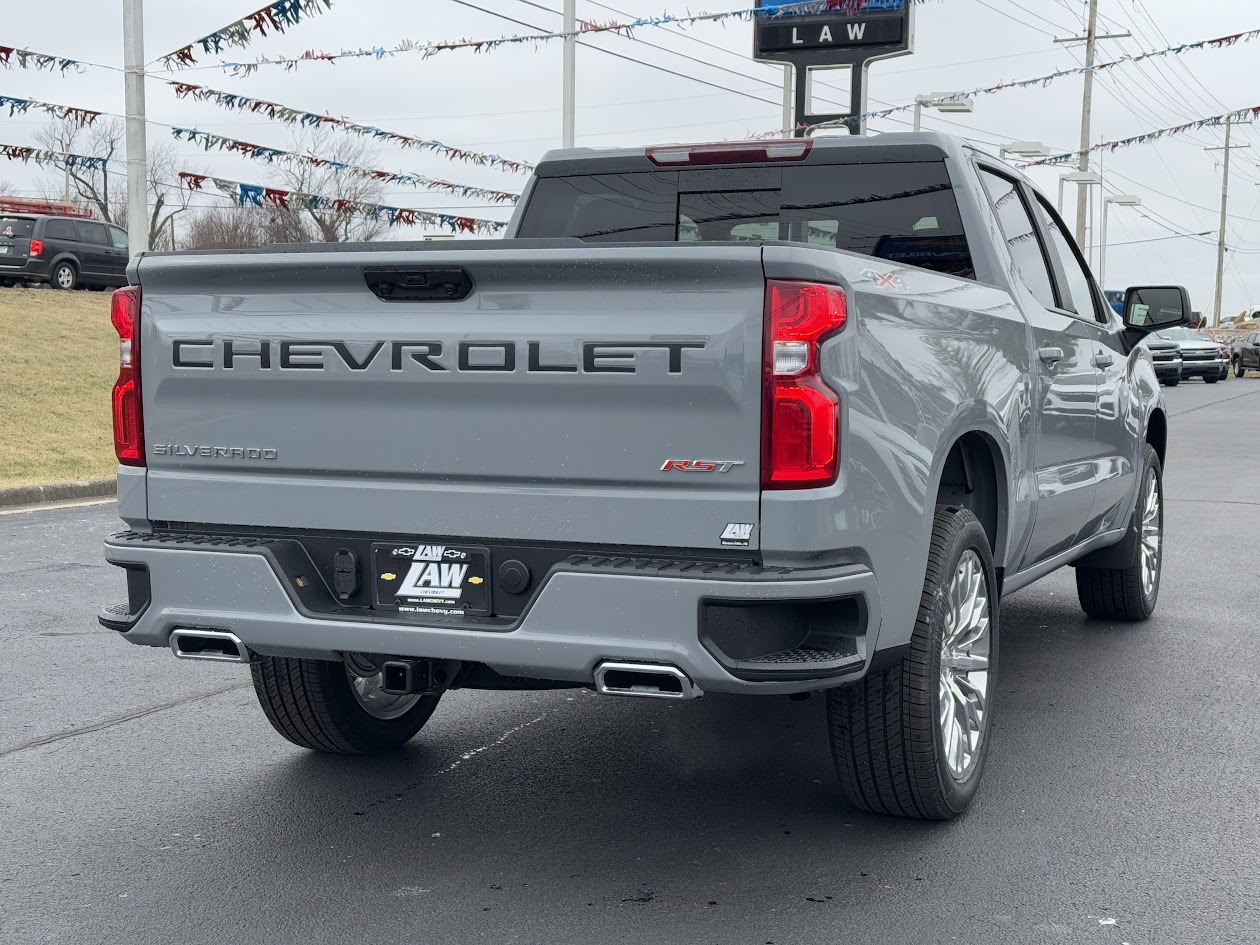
column 279, row 390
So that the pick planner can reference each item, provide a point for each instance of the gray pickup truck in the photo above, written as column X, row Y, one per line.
column 765, row 418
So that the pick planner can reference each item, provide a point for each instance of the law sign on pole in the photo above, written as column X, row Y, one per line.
column 814, row 37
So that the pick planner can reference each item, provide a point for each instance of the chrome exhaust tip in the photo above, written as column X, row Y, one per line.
column 217, row 646
column 645, row 680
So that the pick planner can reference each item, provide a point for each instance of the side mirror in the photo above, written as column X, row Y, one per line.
column 1152, row 308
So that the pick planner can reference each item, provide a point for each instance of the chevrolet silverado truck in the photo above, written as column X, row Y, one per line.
column 765, row 418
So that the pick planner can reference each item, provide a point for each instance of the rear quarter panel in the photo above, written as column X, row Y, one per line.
column 923, row 359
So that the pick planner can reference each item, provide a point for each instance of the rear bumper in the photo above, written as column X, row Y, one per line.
column 704, row 621
column 30, row 270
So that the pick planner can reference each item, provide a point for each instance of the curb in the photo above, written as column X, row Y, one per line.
column 57, row 492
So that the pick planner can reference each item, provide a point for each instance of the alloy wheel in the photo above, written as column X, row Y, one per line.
column 1152, row 533
column 965, row 648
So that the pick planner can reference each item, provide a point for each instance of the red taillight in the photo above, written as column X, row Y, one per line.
column 801, row 426
column 124, row 312
column 37, row 248
column 731, row 152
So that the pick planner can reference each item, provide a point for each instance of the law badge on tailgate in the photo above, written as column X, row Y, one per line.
column 737, row 535
column 430, row 578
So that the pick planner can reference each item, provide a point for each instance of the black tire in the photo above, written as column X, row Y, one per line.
column 63, row 276
column 1173, row 383
column 1239, row 370
column 886, row 738
column 1120, row 593
column 312, row 704
column 1210, row 380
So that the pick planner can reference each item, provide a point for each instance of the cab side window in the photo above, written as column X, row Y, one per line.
column 1078, row 294
column 1021, row 236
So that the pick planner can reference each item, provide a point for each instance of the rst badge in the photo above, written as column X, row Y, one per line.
column 701, row 465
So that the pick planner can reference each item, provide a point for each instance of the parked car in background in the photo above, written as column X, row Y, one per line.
column 1167, row 358
column 1200, row 355
column 1245, row 354
column 64, row 251
column 1115, row 298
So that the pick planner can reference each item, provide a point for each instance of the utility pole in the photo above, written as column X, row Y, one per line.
column 570, row 68
column 1220, row 246
column 1091, row 42
column 137, row 147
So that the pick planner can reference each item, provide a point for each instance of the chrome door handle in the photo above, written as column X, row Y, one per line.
column 1103, row 360
column 1050, row 355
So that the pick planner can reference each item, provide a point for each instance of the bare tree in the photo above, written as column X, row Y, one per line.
column 332, row 226
column 245, row 227
column 105, row 192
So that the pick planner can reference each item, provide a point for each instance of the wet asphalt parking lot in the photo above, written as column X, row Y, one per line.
column 145, row 799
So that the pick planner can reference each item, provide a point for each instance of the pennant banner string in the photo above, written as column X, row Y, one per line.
column 46, row 158
column 254, row 195
column 425, row 49
column 1220, row 42
column 260, row 153
column 29, row 59
column 274, row 17
column 295, row 116
column 80, row 116
column 1242, row 116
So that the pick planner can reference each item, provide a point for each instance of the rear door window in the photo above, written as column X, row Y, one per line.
column 59, row 230
column 92, row 233
column 119, row 237
column 903, row 212
column 1021, row 236
column 16, row 227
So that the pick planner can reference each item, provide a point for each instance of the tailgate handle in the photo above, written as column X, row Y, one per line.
column 419, row 285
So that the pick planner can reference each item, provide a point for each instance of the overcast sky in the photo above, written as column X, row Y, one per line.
column 507, row 101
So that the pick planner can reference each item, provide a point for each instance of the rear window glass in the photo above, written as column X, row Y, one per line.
column 16, row 226
column 904, row 213
column 59, row 230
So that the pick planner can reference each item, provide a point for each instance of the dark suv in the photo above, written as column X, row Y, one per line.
column 63, row 251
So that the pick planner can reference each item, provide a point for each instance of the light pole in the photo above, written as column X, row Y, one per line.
column 1120, row 200
column 137, row 148
column 569, row 78
column 947, row 102
column 1076, row 177
column 1025, row 149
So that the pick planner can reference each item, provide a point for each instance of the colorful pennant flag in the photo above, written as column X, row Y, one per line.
column 254, row 195
column 1220, row 42
column 1242, row 116
column 80, row 116
column 29, row 59
column 295, row 116
column 258, row 152
column 624, row 27
column 46, row 158
column 275, row 17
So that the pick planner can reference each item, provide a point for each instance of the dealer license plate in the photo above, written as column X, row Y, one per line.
column 4, row 250
column 428, row 577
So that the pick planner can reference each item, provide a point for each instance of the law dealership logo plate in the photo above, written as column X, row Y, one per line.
column 431, row 577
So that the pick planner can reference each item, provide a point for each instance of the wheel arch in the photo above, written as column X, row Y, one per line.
column 1157, row 434
column 974, row 475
